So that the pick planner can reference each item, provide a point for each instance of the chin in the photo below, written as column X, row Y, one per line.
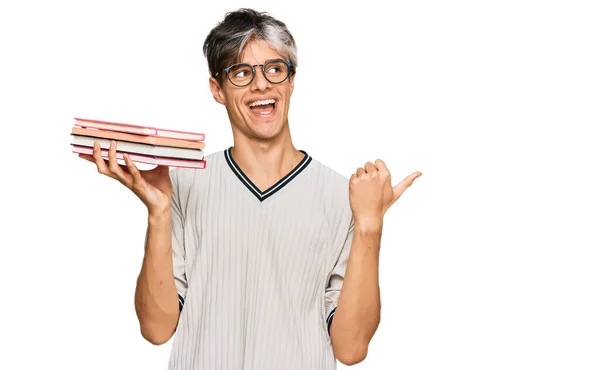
column 266, row 132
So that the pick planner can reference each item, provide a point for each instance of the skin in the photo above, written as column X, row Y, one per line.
column 264, row 150
column 263, row 147
column 358, row 313
column 156, row 299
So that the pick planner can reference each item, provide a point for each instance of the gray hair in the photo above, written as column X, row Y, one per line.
column 225, row 43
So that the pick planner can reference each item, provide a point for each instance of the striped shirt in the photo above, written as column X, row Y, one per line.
column 258, row 273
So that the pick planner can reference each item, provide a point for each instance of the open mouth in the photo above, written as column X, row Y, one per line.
column 263, row 108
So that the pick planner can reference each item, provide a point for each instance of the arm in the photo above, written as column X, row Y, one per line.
column 358, row 312
column 156, row 297
column 156, row 294
column 162, row 283
column 357, row 315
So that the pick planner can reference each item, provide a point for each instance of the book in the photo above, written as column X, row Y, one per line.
column 139, row 129
column 152, row 140
column 153, row 160
column 139, row 148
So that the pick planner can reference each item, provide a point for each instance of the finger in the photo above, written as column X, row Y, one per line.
column 380, row 165
column 100, row 162
column 353, row 178
column 137, row 180
column 404, row 184
column 360, row 171
column 370, row 167
column 382, row 170
column 114, row 166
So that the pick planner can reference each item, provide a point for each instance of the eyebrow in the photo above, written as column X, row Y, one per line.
column 265, row 62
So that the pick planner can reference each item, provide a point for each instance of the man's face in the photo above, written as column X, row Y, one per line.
column 263, row 122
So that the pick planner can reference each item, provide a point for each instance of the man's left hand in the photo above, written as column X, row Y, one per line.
column 372, row 194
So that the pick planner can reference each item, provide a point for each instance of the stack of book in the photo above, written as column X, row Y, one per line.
column 143, row 144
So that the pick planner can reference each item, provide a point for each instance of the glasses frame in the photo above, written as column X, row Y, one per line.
column 286, row 62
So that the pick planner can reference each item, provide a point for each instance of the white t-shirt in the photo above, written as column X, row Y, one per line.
column 258, row 273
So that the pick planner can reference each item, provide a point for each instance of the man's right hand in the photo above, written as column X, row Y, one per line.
column 153, row 187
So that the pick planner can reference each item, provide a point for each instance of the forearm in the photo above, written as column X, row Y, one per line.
column 358, row 312
column 156, row 301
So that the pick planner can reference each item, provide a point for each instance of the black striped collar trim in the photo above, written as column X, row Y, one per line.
column 262, row 195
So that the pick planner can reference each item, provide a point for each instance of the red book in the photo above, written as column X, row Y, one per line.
column 139, row 130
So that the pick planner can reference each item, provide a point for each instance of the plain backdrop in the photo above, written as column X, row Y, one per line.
column 489, row 261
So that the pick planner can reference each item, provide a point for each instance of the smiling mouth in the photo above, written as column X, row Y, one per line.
column 263, row 108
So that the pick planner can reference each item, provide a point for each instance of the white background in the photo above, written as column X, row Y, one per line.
column 489, row 261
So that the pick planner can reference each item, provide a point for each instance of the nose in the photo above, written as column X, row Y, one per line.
column 260, row 83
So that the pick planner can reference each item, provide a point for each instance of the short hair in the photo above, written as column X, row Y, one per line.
column 226, row 42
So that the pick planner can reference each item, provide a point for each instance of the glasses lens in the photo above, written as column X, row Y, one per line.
column 276, row 71
column 240, row 74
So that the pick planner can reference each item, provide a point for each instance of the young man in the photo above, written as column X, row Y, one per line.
column 266, row 259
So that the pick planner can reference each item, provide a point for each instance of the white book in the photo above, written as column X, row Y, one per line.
column 139, row 148
column 146, row 160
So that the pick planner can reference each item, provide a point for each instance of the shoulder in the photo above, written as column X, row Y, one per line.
column 185, row 178
column 332, row 190
column 332, row 184
column 328, row 176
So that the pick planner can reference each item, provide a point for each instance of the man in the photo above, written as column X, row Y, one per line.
column 244, row 260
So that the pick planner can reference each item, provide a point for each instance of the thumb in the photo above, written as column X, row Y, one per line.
column 404, row 184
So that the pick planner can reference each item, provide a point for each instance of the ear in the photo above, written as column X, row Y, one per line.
column 216, row 90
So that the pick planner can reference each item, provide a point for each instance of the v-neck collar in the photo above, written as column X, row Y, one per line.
column 262, row 195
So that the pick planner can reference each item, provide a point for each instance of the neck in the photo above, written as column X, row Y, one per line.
column 265, row 162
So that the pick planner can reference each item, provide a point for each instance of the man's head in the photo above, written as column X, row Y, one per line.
column 247, row 38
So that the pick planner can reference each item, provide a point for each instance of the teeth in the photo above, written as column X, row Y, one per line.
column 262, row 102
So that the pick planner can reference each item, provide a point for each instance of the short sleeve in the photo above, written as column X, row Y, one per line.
column 336, row 278
column 177, row 240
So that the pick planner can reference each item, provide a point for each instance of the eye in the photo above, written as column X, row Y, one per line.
column 242, row 71
column 276, row 68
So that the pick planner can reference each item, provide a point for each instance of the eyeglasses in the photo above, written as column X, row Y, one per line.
column 242, row 74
